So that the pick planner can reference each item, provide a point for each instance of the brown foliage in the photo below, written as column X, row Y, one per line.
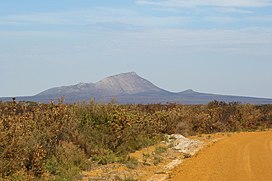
column 56, row 141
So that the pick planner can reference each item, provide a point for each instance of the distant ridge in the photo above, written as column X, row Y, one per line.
column 130, row 88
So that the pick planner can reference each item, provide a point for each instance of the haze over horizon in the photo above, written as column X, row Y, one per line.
column 222, row 47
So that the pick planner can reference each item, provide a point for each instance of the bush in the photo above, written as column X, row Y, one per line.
column 67, row 163
column 57, row 141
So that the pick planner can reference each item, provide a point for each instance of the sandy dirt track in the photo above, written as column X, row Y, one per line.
column 240, row 157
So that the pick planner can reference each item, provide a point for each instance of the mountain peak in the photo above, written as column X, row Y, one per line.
column 128, row 74
column 131, row 73
column 125, row 83
column 188, row 91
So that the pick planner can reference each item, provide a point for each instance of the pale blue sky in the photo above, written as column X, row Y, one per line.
column 215, row 46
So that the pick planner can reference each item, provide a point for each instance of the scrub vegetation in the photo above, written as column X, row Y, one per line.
column 58, row 141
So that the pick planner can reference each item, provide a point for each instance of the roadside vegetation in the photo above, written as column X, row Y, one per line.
column 57, row 141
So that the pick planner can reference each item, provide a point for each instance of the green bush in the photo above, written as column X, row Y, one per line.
column 67, row 163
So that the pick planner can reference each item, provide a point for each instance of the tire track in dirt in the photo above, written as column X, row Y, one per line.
column 241, row 157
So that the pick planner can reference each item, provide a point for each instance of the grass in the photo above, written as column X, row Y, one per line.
column 160, row 149
column 146, row 156
column 157, row 160
column 131, row 162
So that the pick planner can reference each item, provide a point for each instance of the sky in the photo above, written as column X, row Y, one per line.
column 212, row 46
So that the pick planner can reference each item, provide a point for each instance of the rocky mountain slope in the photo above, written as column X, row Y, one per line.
column 121, row 84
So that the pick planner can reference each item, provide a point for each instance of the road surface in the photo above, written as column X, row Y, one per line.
column 240, row 157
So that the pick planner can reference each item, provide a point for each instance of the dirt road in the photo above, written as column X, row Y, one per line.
column 241, row 157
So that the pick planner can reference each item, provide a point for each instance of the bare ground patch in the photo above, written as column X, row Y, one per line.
column 155, row 162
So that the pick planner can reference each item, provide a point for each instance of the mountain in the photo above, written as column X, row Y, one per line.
column 130, row 88
column 118, row 85
column 126, row 83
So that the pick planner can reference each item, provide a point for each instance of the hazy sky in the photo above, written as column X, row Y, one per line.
column 215, row 46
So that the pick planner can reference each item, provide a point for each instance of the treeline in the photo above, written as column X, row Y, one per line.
column 58, row 141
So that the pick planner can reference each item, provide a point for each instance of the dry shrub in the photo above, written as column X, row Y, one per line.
column 68, row 161
column 57, row 141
